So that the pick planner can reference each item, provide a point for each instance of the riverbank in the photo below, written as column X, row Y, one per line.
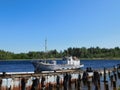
column 61, row 59
column 100, row 58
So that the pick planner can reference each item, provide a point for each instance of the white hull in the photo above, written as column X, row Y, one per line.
column 71, row 64
column 49, row 67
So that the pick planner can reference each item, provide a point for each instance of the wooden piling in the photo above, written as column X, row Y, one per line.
column 104, row 74
column 79, row 81
column 109, row 73
column 43, row 82
column 106, row 86
column 115, row 76
column 88, row 85
column 50, row 86
column 111, row 80
column 0, row 84
column 69, row 80
column 60, row 79
column 65, row 81
column 114, row 84
column 23, row 84
column 35, row 84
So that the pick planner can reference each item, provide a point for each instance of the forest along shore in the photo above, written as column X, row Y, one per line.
column 60, row 59
column 83, row 53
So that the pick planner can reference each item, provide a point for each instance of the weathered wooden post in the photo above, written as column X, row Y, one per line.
column 69, row 80
column 78, row 85
column 79, row 81
column 115, row 76
column 109, row 73
column 111, row 79
column 96, row 79
column 43, row 82
column 99, row 80
column 58, row 82
column 88, row 84
column 3, row 74
column 85, row 77
column 50, row 86
column 65, row 84
column 0, row 84
column 65, row 81
column 23, row 84
column 104, row 74
column 118, row 74
column 39, row 86
column 35, row 84
column 115, row 68
column 96, row 87
column 75, row 83
column 106, row 85
column 114, row 84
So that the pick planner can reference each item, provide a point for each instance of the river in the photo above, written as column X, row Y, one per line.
column 26, row 65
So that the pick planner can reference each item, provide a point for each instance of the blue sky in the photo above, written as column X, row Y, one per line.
column 24, row 24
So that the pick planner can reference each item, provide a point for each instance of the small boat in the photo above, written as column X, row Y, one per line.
column 68, row 63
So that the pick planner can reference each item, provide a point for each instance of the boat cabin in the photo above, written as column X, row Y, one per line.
column 73, row 61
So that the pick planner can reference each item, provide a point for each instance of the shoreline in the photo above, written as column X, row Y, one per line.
column 100, row 59
column 61, row 59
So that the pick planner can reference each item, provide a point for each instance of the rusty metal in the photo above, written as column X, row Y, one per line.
column 52, row 80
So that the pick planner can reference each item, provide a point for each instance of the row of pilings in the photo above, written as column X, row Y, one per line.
column 106, row 79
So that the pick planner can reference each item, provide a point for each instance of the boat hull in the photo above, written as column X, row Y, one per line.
column 48, row 67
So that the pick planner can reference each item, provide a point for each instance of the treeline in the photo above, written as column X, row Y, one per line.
column 87, row 53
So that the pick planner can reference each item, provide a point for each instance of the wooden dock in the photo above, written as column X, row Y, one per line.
column 105, row 79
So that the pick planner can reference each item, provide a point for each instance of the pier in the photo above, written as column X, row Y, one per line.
column 104, row 79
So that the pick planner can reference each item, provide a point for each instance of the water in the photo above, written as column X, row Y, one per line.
column 26, row 65
column 100, row 64
column 16, row 66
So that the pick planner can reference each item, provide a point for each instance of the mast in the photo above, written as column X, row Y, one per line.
column 46, row 49
column 45, row 45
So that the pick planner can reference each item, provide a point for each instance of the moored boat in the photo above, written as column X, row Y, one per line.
column 66, row 64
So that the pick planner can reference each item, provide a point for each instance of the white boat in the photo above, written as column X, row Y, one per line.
column 54, row 65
